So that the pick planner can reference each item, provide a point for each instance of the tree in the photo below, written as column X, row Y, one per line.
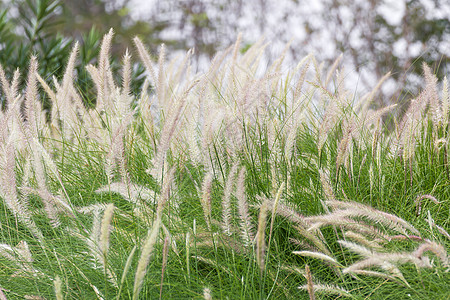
column 47, row 29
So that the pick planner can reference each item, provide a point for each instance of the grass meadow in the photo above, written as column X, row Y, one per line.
column 228, row 184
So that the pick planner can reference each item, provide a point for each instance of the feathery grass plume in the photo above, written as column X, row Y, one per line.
column 344, row 222
column 104, row 101
column 8, row 252
column 144, row 259
column 389, row 260
column 289, row 146
column 50, row 93
column 310, row 284
column 298, row 86
column 353, row 208
column 126, row 73
column 436, row 248
column 226, row 203
column 318, row 255
column 393, row 270
column 245, row 224
column 373, row 244
column 21, row 256
column 234, row 56
column 213, row 118
column 31, row 100
column 345, row 145
column 65, row 108
column 164, row 264
column 445, row 101
column 117, row 149
column 408, row 131
column 58, row 288
column 376, row 144
column 442, row 231
column 329, row 121
column 432, row 94
column 161, row 84
column 213, row 72
column 439, row 144
column 418, row 202
column 192, row 138
column 105, row 229
column 328, row 289
column 145, row 57
column 183, row 69
column 253, row 56
column 11, row 124
column 168, row 131
column 343, row 219
column 332, row 69
column 206, row 198
column 63, row 117
column 373, row 118
column 260, row 237
column 326, row 186
column 8, row 190
column 131, row 192
column 354, row 247
column 207, row 294
column 9, row 93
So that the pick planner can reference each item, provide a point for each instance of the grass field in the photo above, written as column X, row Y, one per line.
column 222, row 185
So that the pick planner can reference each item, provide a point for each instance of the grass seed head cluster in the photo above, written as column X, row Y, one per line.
column 175, row 186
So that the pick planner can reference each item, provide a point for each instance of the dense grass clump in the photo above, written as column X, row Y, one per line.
column 221, row 185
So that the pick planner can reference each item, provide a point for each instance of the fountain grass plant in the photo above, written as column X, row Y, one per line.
column 221, row 185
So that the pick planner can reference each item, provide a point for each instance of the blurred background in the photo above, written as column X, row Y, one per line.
column 375, row 37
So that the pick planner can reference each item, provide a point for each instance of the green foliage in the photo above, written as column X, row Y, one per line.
column 36, row 31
